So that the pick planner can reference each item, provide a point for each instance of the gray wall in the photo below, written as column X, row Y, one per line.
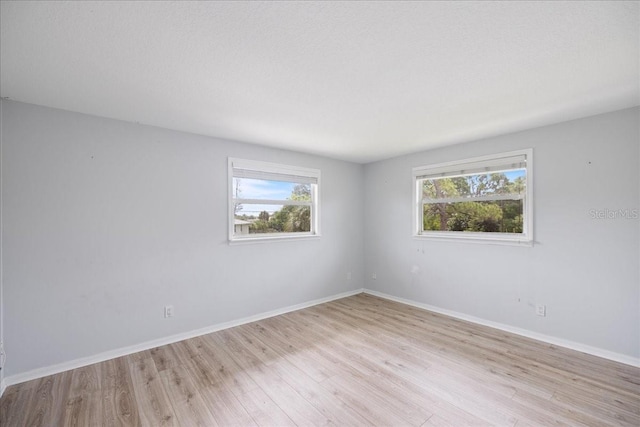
column 106, row 222
column 585, row 270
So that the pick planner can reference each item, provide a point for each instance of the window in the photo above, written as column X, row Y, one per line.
column 487, row 199
column 268, row 200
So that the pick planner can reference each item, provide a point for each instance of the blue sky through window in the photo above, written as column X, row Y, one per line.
column 262, row 189
column 517, row 173
column 248, row 188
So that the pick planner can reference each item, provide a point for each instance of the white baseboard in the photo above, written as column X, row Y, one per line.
column 112, row 354
column 3, row 387
column 595, row 351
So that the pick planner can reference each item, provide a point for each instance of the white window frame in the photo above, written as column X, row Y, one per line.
column 269, row 171
column 475, row 165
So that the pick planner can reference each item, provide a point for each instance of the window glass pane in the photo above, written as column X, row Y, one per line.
column 248, row 188
column 491, row 216
column 501, row 216
column 258, row 219
column 254, row 218
column 507, row 182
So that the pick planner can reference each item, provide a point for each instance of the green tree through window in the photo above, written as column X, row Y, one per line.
column 288, row 219
column 489, row 202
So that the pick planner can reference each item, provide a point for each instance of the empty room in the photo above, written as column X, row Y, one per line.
column 353, row 213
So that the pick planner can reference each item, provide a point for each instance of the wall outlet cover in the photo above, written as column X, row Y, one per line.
column 168, row 311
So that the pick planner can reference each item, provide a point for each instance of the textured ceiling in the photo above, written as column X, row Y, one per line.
column 357, row 81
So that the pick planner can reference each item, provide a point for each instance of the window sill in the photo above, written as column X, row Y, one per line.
column 477, row 238
column 272, row 238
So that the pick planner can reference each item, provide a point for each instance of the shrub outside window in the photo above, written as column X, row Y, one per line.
column 487, row 199
column 269, row 200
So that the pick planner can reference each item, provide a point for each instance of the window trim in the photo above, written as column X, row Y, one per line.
column 526, row 238
column 277, row 169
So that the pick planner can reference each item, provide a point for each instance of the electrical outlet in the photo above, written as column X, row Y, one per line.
column 374, row 276
column 541, row 310
column 349, row 276
column 168, row 311
column 3, row 355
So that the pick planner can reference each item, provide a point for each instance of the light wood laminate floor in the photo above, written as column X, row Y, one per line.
column 356, row 361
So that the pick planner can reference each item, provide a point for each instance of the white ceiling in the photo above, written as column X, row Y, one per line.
column 358, row 81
